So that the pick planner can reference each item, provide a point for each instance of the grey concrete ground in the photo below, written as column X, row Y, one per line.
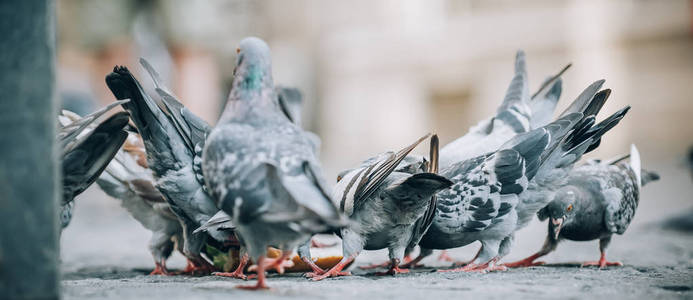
column 104, row 255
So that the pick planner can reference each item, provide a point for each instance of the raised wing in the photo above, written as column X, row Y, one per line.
column 363, row 181
column 190, row 127
column 89, row 155
column 72, row 125
column 422, row 224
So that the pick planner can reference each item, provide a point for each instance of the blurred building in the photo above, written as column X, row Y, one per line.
column 378, row 74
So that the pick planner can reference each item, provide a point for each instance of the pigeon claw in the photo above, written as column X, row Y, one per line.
column 316, row 269
column 412, row 263
column 527, row 262
column 235, row 274
column 279, row 264
column 483, row 268
column 318, row 277
column 602, row 262
column 160, row 269
column 334, row 272
column 394, row 269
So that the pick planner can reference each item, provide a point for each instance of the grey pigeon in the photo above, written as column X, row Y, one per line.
column 596, row 201
column 518, row 113
column 129, row 179
column 540, row 191
column 386, row 207
column 481, row 205
column 173, row 138
column 261, row 168
column 290, row 100
column 86, row 153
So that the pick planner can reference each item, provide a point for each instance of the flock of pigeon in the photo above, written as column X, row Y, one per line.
column 254, row 180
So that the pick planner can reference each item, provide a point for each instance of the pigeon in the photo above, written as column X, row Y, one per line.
column 481, row 205
column 129, row 179
column 290, row 100
column 518, row 113
column 596, row 201
column 85, row 153
column 386, row 207
column 261, row 168
column 541, row 190
column 173, row 138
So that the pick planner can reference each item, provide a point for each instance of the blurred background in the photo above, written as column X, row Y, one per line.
column 378, row 74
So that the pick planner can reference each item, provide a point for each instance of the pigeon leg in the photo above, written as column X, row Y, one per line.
column 160, row 268
column 414, row 263
column 527, row 262
column 238, row 273
column 261, row 284
column 468, row 268
column 394, row 269
column 278, row 263
column 549, row 245
column 304, row 253
column 316, row 269
column 335, row 271
column 602, row 263
column 464, row 263
column 474, row 267
column 491, row 266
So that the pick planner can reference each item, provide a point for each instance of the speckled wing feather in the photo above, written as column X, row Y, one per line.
column 220, row 221
column 478, row 196
column 621, row 197
column 487, row 188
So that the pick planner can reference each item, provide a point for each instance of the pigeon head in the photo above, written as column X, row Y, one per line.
column 253, row 65
column 560, row 211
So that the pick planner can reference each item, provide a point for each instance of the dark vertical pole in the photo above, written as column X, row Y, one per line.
column 28, row 165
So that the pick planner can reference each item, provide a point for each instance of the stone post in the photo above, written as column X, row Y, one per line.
column 28, row 155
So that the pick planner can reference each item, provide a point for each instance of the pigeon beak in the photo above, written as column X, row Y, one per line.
column 557, row 224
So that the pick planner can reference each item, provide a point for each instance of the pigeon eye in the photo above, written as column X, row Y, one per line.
column 339, row 178
column 570, row 207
